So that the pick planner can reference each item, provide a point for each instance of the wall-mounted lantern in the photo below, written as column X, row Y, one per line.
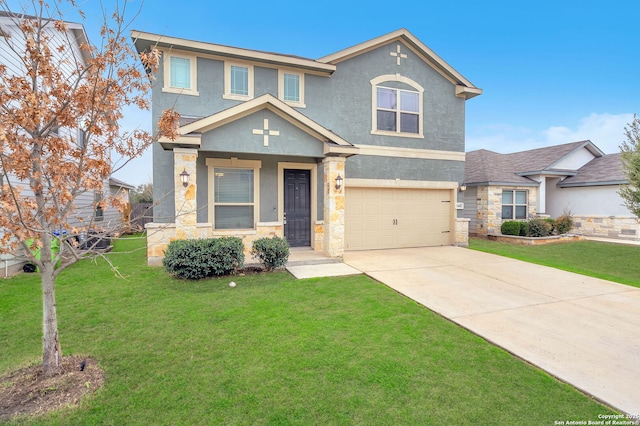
column 184, row 177
column 463, row 187
column 338, row 182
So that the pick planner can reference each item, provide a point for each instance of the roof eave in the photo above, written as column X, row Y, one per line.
column 232, row 52
column 584, row 184
column 500, row 183
column 548, row 173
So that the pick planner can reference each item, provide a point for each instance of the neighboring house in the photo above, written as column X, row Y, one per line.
column 85, row 203
column 575, row 177
column 360, row 149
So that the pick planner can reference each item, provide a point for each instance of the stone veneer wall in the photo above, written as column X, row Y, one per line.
column 489, row 199
column 462, row 232
column 333, row 229
column 318, row 235
column 159, row 235
column 607, row 226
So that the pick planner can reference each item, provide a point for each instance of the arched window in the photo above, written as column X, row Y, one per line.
column 397, row 106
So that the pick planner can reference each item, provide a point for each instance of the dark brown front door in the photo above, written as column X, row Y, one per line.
column 297, row 207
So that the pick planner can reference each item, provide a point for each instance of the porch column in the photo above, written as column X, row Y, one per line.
column 542, row 195
column 333, row 207
column 184, row 159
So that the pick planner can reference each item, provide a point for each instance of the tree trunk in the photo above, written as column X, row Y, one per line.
column 51, row 352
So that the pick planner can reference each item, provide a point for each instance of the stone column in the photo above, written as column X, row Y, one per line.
column 333, row 207
column 184, row 159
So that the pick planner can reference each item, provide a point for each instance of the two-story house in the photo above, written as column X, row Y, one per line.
column 360, row 149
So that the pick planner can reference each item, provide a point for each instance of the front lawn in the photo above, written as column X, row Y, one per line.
column 272, row 350
column 614, row 262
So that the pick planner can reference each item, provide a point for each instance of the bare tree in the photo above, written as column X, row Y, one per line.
column 61, row 98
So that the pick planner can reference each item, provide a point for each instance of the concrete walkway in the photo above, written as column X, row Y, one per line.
column 583, row 330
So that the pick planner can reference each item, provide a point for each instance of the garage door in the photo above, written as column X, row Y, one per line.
column 379, row 218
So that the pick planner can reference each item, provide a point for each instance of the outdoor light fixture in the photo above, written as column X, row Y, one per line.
column 184, row 177
column 338, row 182
column 463, row 188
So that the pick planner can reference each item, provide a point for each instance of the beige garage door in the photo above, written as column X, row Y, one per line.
column 378, row 218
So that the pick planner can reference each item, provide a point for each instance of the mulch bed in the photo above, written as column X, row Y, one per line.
column 27, row 392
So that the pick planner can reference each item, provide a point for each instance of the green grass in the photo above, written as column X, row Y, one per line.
column 613, row 262
column 272, row 351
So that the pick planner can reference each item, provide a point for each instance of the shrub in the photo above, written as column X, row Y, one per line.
column 203, row 258
column 564, row 223
column 551, row 222
column 524, row 229
column 510, row 227
column 539, row 228
column 272, row 252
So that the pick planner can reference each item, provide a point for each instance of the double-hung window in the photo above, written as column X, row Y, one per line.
column 291, row 88
column 233, row 197
column 99, row 212
column 514, row 204
column 397, row 108
column 238, row 81
column 234, row 194
column 180, row 73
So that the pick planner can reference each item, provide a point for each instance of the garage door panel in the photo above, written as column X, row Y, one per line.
column 394, row 218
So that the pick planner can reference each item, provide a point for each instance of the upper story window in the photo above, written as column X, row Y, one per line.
column 291, row 88
column 180, row 73
column 514, row 204
column 397, row 109
column 238, row 81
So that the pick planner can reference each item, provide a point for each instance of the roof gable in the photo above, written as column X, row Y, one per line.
column 333, row 142
column 604, row 170
column 464, row 88
column 484, row 167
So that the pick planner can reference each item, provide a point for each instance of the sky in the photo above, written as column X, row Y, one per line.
column 552, row 71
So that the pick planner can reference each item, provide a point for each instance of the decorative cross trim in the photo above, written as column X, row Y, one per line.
column 399, row 56
column 265, row 132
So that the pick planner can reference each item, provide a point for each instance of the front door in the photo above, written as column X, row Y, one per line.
column 297, row 207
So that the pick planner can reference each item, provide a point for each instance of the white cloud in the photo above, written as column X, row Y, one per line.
column 604, row 130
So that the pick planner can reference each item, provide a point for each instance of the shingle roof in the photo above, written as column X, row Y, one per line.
column 483, row 166
column 605, row 170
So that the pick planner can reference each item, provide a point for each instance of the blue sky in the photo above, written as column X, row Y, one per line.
column 552, row 71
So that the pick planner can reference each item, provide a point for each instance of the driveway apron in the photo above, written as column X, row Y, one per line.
column 583, row 330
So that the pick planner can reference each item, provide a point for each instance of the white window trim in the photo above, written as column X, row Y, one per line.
column 193, row 68
column 281, row 73
column 227, row 81
column 233, row 163
column 514, row 204
column 374, row 106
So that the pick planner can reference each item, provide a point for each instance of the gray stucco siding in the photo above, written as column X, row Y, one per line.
column 238, row 136
column 266, row 81
column 348, row 102
column 163, row 185
column 374, row 167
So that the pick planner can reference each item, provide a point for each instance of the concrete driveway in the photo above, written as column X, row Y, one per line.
column 583, row 330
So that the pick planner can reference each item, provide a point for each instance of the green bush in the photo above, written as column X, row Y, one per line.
column 203, row 258
column 510, row 227
column 564, row 223
column 539, row 228
column 524, row 229
column 272, row 252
